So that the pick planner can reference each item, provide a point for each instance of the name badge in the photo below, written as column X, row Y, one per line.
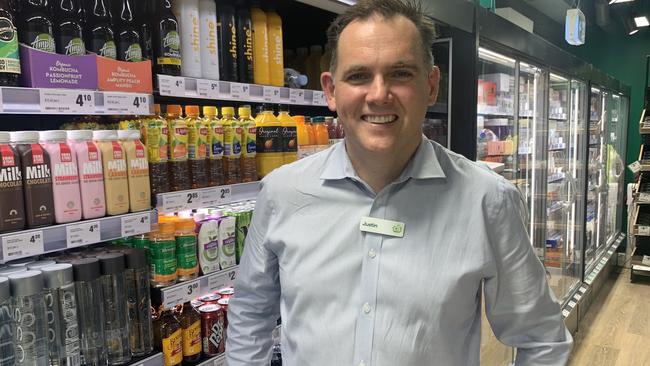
column 383, row 227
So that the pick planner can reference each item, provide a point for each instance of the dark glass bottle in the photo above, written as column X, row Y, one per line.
column 245, row 42
column 68, row 28
column 36, row 28
column 99, row 34
column 190, row 320
column 143, row 11
column 227, row 36
column 166, row 40
column 129, row 47
column 9, row 55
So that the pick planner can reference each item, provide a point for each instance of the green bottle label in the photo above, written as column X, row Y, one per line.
column 9, row 57
column 75, row 47
column 186, row 252
column 133, row 53
column 140, row 242
column 109, row 50
column 44, row 42
column 163, row 257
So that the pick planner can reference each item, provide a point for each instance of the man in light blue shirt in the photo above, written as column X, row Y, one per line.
column 377, row 250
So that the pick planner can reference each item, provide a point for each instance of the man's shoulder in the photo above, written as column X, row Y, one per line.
column 305, row 171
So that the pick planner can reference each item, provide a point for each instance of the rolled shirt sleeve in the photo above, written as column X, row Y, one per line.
column 520, row 305
column 254, row 309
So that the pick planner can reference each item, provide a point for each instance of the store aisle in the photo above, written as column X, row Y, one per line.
column 616, row 330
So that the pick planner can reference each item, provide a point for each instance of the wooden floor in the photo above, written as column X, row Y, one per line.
column 616, row 329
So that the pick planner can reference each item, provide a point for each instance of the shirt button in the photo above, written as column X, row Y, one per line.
column 366, row 308
column 372, row 253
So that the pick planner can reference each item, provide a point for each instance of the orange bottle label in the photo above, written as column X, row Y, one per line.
column 173, row 349
column 192, row 339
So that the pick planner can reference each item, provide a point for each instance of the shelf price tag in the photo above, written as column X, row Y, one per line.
column 140, row 105
column 83, row 234
column 181, row 293
column 635, row 167
column 272, row 94
column 172, row 202
column 222, row 279
column 644, row 197
column 319, row 98
column 126, row 103
column 256, row 92
column 22, row 245
column 207, row 89
column 644, row 230
column 239, row 91
column 646, row 260
column 67, row 101
column 296, row 96
column 136, row 224
column 171, row 85
column 217, row 195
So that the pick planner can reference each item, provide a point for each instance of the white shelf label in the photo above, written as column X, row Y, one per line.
column 181, row 293
column 565, row 313
column 173, row 202
column 572, row 304
column 136, row 224
column 83, row 234
column 67, row 101
column 22, row 245
column 296, row 96
column 319, row 98
column 222, row 279
column 635, row 167
column 578, row 297
column 208, row 89
column 239, row 91
column 171, row 85
column 217, row 195
column 644, row 230
column 139, row 105
column 126, row 103
column 646, row 260
column 272, row 94
column 582, row 290
column 644, row 197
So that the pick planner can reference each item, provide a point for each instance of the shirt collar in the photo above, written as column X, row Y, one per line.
column 423, row 165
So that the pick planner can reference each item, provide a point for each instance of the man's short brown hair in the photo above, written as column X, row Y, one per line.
column 388, row 9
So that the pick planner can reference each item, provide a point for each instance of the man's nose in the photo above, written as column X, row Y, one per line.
column 379, row 91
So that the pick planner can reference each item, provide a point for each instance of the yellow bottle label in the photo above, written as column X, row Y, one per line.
column 172, row 348
column 178, row 140
column 153, row 142
column 163, row 145
column 232, row 140
column 202, row 141
column 192, row 339
column 249, row 141
column 216, row 140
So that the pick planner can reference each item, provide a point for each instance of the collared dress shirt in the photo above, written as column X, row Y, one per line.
column 348, row 297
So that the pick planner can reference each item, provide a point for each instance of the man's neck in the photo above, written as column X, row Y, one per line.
column 378, row 170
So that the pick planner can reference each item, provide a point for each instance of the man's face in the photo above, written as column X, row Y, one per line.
column 381, row 87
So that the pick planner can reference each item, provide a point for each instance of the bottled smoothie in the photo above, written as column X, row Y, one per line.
column 37, row 178
column 187, row 14
column 215, row 148
column 197, row 147
column 269, row 142
column 12, row 212
column 65, row 176
column 245, row 43
column 260, row 45
column 177, row 142
column 207, row 230
column 276, row 53
column 91, row 173
column 116, row 185
column 137, row 170
column 209, row 41
column 248, row 145
column 289, row 136
column 227, row 35
column 232, row 132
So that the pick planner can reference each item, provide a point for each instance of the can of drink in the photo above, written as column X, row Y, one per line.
column 226, row 292
column 197, row 303
column 224, row 306
column 209, row 299
column 213, row 330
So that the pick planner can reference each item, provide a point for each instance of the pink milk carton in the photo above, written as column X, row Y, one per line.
column 91, row 173
column 65, row 177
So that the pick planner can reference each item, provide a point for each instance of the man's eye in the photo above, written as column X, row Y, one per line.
column 402, row 74
column 356, row 77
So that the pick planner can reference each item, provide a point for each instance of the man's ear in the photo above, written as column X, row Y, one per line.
column 327, row 82
column 434, row 81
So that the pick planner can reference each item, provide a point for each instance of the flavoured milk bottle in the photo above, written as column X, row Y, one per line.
column 12, row 210
column 91, row 173
column 116, row 183
column 137, row 170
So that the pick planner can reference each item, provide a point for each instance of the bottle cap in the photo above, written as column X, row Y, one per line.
column 26, row 283
column 24, row 137
column 53, row 135
column 9, row 270
column 4, row 138
column 227, row 111
column 318, row 119
column 299, row 119
column 57, row 275
column 185, row 224
column 302, row 80
column 5, row 292
column 86, row 269
column 21, row 262
column 244, row 112
column 156, row 109
column 174, row 109
column 105, row 135
column 128, row 134
column 40, row 264
column 111, row 263
column 81, row 135
column 209, row 111
column 135, row 258
column 192, row 110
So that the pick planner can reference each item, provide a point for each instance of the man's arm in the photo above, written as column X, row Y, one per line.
column 254, row 310
column 519, row 304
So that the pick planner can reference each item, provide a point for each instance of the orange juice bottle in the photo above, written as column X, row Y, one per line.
column 276, row 53
column 260, row 45
column 304, row 145
column 321, row 133
column 289, row 136
column 248, row 145
column 178, row 168
column 269, row 142
column 311, row 132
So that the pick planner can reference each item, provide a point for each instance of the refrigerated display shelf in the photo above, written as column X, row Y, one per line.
column 642, row 189
column 27, row 243
column 206, row 197
column 641, row 221
column 214, row 361
column 186, row 87
column 154, row 360
column 189, row 290
column 644, row 158
column 644, row 123
column 18, row 100
column 640, row 260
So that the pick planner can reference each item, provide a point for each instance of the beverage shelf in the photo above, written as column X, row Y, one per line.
column 189, row 290
column 644, row 124
column 215, row 361
column 206, row 197
column 17, row 100
column 642, row 189
column 185, row 87
column 27, row 243
column 154, row 360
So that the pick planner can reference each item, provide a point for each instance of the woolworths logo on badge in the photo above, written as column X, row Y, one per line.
column 108, row 50
column 397, row 228
column 44, row 42
column 133, row 53
column 75, row 47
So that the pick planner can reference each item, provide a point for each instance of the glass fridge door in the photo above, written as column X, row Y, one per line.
column 436, row 122
column 615, row 165
column 595, row 176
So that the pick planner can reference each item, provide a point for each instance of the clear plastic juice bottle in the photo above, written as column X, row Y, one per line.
column 249, row 145
column 304, row 146
column 155, row 139
column 311, row 133
column 232, row 146
column 215, row 146
column 269, row 142
column 197, row 135
column 187, row 265
column 289, row 138
column 179, row 177
column 320, row 131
